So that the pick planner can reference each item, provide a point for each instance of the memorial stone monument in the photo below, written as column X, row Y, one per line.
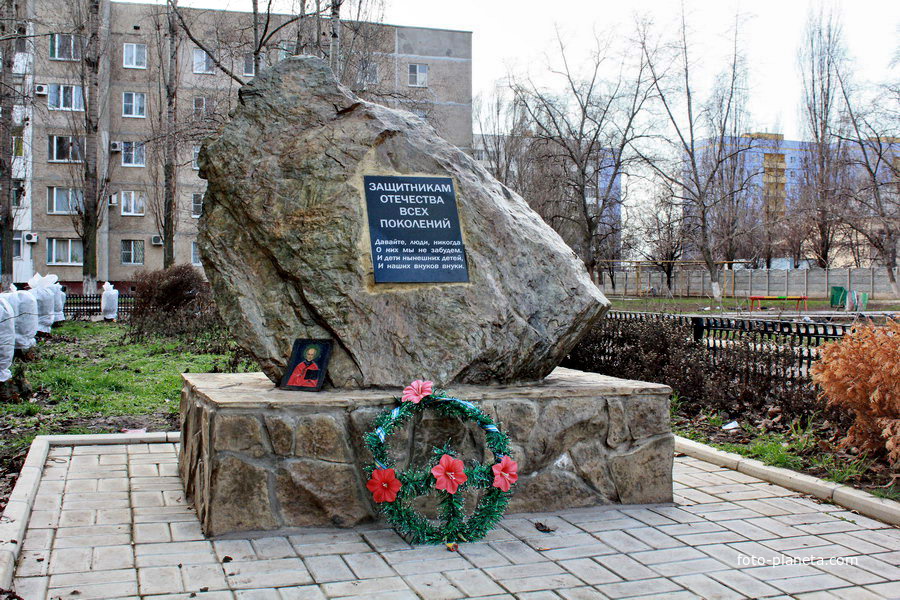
column 329, row 217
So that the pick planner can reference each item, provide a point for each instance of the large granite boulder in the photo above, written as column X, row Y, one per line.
column 285, row 244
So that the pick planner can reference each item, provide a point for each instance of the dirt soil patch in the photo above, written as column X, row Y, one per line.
column 814, row 447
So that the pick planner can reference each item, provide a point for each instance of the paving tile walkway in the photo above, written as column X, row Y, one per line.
column 112, row 522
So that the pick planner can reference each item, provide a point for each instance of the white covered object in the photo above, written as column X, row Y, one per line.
column 26, row 320
column 7, row 338
column 59, row 298
column 43, row 293
column 109, row 301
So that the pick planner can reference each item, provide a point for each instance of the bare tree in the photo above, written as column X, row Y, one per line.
column 704, row 162
column 874, row 160
column 583, row 138
column 169, row 134
column 820, row 57
column 264, row 31
column 269, row 30
column 662, row 228
column 87, row 47
column 504, row 141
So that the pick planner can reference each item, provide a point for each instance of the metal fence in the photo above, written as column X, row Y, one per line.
column 722, row 334
column 85, row 306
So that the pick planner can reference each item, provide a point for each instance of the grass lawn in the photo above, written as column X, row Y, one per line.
column 88, row 377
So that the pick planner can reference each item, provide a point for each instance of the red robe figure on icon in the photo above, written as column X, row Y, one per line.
column 306, row 373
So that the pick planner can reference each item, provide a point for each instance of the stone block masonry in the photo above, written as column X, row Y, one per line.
column 256, row 458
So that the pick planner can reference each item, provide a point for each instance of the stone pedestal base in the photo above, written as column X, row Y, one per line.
column 258, row 458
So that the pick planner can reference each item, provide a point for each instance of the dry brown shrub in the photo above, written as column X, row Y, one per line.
column 861, row 374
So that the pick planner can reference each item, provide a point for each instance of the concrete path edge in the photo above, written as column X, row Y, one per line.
column 866, row 504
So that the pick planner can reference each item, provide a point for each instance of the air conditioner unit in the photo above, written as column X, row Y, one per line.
column 30, row 237
column 156, row 240
column 41, row 89
column 113, row 199
column 115, row 146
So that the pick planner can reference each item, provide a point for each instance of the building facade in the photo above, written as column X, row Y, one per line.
column 427, row 71
column 771, row 183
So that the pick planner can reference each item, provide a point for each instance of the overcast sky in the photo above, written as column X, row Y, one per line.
column 516, row 36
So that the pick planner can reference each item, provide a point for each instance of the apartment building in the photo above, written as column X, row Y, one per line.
column 774, row 176
column 428, row 71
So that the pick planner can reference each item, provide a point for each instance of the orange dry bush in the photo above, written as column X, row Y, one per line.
column 861, row 374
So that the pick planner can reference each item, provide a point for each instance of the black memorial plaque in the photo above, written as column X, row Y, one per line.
column 414, row 228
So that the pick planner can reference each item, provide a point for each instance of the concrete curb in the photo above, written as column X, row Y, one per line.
column 887, row 511
column 14, row 521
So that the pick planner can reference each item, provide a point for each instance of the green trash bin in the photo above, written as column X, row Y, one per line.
column 838, row 296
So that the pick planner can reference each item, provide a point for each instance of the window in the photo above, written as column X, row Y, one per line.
column 64, row 252
column 134, row 104
column 199, row 107
column 195, row 161
column 134, row 56
column 249, row 65
column 286, row 49
column 63, row 148
column 17, row 192
column 17, row 244
column 132, row 154
column 203, row 62
column 132, row 252
column 132, row 203
column 18, row 146
column 64, row 201
column 418, row 75
column 368, row 74
column 21, row 39
column 65, row 46
column 65, row 97
column 195, row 254
column 196, row 205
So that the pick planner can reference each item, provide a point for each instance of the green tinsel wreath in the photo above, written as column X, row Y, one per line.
column 415, row 527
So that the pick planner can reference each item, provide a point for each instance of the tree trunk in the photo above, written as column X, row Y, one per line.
column 334, row 51
column 256, row 48
column 7, row 89
column 706, row 252
column 891, row 264
column 92, row 188
column 170, row 193
column 713, row 270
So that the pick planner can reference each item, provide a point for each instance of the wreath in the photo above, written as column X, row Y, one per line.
column 445, row 475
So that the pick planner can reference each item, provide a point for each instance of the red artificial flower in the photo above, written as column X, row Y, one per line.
column 417, row 390
column 384, row 485
column 505, row 473
column 449, row 473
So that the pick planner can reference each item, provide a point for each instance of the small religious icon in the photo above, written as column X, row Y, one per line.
column 306, row 369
